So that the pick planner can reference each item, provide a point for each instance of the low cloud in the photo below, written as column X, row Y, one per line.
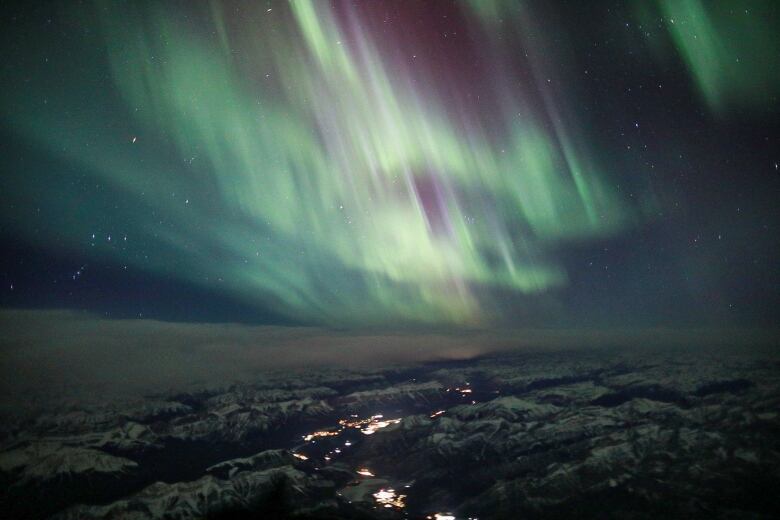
column 45, row 354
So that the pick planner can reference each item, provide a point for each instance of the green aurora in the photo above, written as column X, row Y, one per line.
column 729, row 48
column 291, row 158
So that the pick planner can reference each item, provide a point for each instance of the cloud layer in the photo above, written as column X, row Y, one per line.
column 62, row 354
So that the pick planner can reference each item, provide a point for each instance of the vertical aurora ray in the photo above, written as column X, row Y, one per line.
column 729, row 48
column 326, row 180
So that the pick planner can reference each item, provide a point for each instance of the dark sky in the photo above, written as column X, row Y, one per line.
column 393, row 164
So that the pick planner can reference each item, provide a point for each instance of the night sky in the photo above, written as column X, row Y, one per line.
column 393, row 164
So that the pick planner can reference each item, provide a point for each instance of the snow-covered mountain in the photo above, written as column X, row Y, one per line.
column 540, row 436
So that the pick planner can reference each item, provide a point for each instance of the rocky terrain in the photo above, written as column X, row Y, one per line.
column 599, row 434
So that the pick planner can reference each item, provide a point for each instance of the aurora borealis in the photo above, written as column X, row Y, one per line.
column 732, row 59
column 345, row 163
column 488, row 258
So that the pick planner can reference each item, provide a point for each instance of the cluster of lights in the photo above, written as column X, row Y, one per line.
column 311, row 436
column 389, row 498
column 463, row 391
column 370, row 425
column 376, row 425
column 355, row 422
column 385, row 497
